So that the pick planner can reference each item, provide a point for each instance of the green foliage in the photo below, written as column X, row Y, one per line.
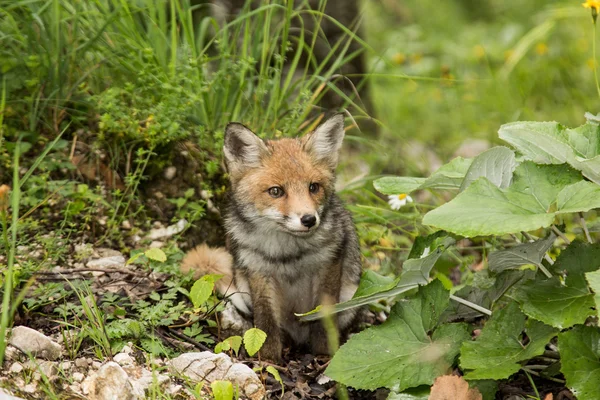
column 412, row 347
column 499, row 350
column 254, row 338
column 222, row 390
column 532, row 290
column 156, row 254
column 580, row 351
column 231, row 343
column 202, row 289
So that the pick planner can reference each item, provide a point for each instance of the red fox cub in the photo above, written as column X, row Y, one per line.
column 292, row 245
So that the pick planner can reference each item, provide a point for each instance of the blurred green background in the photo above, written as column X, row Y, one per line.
column 476, row 65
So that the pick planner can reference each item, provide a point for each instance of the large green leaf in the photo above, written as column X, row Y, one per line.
column 593, row 279
column 448, row 176
column 415, row 272
column 404, row 355
column 496, row 164
column 522, row 254
column 577, row 259
column 554, row 303
column 499, row 349
column 580, row 357
column 484, row 209
column 552, row 143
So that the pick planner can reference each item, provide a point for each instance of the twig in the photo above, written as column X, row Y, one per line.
column 106, row 270
column 188, row 339
column 552, row 354
column 585, row 228
column 532, row 372
column 560, row 234
column 471, row 305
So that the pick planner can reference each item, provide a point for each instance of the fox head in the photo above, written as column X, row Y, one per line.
column 284, row 184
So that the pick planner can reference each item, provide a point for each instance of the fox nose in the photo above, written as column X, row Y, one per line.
column 308, row 220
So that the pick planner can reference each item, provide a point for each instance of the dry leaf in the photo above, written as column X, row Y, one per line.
column 548, row 396
column 452, row 387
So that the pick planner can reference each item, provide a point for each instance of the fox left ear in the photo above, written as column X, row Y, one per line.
column 324, row 143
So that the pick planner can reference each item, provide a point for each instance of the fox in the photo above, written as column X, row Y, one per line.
column 291, row 244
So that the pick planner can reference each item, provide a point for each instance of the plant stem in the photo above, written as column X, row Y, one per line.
column 529, row 371
column 560, row 234
column 8, row 275
column 585, row 228
column 594, row 56
column 471, row 305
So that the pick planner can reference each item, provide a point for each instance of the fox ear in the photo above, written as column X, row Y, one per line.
column 242, row 148
column 324, row 143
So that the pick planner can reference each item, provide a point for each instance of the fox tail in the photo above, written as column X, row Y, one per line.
column 204, row 260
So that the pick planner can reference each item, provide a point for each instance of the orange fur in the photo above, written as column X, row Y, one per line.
column 287, row 165
column 204, row 260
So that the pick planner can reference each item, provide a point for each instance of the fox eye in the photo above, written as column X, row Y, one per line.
column 275, row 192
column 314, row 188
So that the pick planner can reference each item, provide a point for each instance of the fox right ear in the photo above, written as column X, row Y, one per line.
column 242, row 148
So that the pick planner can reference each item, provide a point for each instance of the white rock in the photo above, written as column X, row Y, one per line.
column 15, row 368
column 145, row 380
column 105, row 262
column 162, row 233
column 5, row 395
column 78, row 376
column 66, row 365
column 48, row 369
column 170, row 173
column 243, row 376
column 109, row 383
column 32, row 342
column 123, row 359
column 81, row 362
column 31, row 388
column 207, row 366
column 156, row 244
column 12, row 354
column 96, row 364
column 127, row 348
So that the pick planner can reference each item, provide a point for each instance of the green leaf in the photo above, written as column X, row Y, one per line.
column 523, row 254
column 420, row 393
column 593, row 279
column 405, row 355
column 156, row 254
column 222, row 390
column 551, row 143
column 447, row 177
column 498, row 351
column 231, row 343
column 202, row 290
column 484, row 209
column 415, row 272
column 496, row 164
column 580, row 357
column 581, row 196
column 577, row 259
column 270, row 369
column 254, row 338
column 371, row 282
column 555, row 304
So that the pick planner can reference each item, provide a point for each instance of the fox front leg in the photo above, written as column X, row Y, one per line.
column 329, row 292
column 265, row 298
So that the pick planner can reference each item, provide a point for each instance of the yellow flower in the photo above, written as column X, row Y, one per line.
column 4, row 189
column 399, row 58
column 595, row 4
column 541, row 48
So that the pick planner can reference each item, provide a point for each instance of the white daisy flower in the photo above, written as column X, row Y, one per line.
column 398, row 200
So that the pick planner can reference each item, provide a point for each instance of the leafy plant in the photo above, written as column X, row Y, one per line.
column 532, row 295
